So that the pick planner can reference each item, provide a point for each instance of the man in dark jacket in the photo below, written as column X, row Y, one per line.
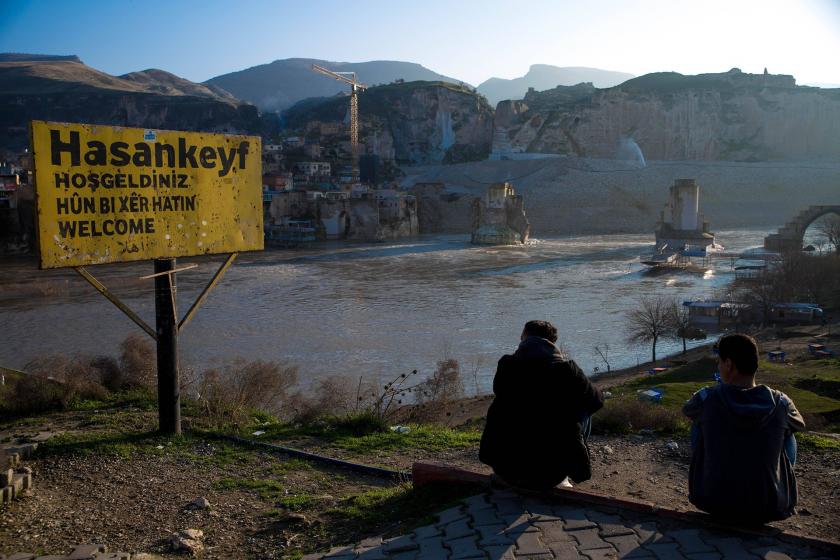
column 533, row 437
column 740, row 468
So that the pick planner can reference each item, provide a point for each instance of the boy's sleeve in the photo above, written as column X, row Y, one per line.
column 795, row 421
column 693, row 407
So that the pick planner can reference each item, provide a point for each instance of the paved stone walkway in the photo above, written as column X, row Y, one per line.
column 503, row 525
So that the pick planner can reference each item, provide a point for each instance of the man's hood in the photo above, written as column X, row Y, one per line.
column 750, row 407
column 536, row 348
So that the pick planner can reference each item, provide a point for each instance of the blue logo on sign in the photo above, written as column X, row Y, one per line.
column 150, row 136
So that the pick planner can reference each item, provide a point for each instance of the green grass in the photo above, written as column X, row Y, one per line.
column 815, row 441
column 814, row 385
column 266, row 489
column 426, row 437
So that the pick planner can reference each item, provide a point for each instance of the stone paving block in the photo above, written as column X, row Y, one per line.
column 493, row 535
column 427, row 532
column 371, row 542
column 407, row 555
column 611, row 525
column 372, row 553
column 8, row 494
column 509, row 507
column 341, row 552
column 432, row 548
column 86, row 551
column 500, row 552
column 20, row 556
column 451, row 515
column 6, row 476
column 457, row 530
column 770, row 553
column 690, row 541
column 485, row 517
column 601, row 554
column 589, row 539
column 312, row 557
column 520, row 522
column 464, row 548
column 112, row 556
column 400, row 544
column 665, row 551
column 503, row 495
column 649, row 533
column 555, row 532
column 730, row 548
column 529, row 544
column 477, row 503
column 50, row 557
column 707, row 556
column 628, row 546
column 575, row 518
column 564, row 551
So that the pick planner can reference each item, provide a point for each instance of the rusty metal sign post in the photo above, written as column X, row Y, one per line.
column 114, row 194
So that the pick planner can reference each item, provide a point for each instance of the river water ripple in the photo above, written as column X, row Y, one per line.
column 370, row 310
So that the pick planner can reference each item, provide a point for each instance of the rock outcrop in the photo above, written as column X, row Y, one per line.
column 410, row 123
column 730, row 116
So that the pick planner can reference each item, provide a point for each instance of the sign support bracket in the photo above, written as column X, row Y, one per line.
column 110, row 296
column 206, row 292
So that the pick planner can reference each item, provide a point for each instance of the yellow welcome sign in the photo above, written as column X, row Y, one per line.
column 113, row 194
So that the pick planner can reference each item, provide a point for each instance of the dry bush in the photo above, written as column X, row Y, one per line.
column 33, row 394
column 233, row 390
column 332, row 396
column 624, row 415
column 437, row 395
column 138, row 362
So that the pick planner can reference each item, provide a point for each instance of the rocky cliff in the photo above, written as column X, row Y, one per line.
column 410, row 123
column 731, row 116
column 67, row 90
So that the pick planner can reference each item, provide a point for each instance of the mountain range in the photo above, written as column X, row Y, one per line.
column 544, row 76
column 282, row 83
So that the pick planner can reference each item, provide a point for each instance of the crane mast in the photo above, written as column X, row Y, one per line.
column 355, row 86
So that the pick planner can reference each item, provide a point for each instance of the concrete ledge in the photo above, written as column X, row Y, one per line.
column 425, row 473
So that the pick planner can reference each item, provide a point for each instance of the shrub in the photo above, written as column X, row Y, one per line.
column 242, row 386
column 437, row 394
column 138, row 363
column 624, row 415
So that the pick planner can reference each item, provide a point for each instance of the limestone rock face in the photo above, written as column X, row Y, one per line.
column 411, row 123
column 731, row 116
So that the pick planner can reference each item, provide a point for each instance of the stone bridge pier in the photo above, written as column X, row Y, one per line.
column 789, row 237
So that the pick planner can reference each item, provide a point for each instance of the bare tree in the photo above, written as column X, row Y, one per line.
column 680, row 322
column 830, row 228
column 603, row 351
column 648, row 322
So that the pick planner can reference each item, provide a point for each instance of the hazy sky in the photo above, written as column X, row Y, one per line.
column 464, row 39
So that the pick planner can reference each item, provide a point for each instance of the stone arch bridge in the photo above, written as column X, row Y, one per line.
column 789, row 237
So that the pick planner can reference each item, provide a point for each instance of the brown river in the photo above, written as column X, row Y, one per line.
column 370, row 310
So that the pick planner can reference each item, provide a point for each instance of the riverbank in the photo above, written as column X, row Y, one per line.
column 103, row 458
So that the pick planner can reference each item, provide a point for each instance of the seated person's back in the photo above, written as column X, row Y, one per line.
column 739, row 468
column 533, row 433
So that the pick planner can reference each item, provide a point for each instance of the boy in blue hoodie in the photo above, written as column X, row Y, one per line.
column 740, row 467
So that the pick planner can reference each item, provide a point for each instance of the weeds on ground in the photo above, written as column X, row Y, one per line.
column 628, row 414
column 817, row 442
column 339, row 433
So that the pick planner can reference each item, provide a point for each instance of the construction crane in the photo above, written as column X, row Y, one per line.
column 349, row 78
